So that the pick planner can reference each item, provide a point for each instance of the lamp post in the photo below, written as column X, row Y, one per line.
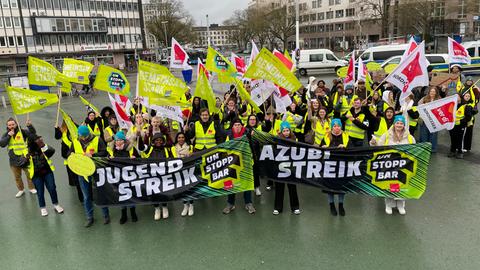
column 165, row 31
column 208, row 32
column 155, row 47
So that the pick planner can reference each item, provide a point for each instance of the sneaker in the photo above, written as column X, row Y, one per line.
column 268, row 188
column 19, row 193
column 158, row 214
column 297, row 211
column 165, row 212
column 33, row 191
column 250, row 209
column 43, row 212
column 402, row 211
column 276, row 212
column 89, row 223
column 190, row 210
column 229, row 208
column 185, row 209
column 257, row 191
column 388, row 210
column 58, row 209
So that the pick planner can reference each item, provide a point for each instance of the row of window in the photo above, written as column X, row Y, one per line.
column 88, row 39
column 49, row 25
column 327, row 27
column 75, row 5
column 9, row 3
column 11, row 41
column 10, row 22
column 350, row 12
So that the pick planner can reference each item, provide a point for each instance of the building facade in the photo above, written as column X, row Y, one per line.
column 101, row 32
column 151, row 10
column 219, row 36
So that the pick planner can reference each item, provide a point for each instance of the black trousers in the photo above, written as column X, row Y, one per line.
column 256, row 178
column 457, row 135
column 73, row 181
column 412, row 130
column 467, row 142
column 292, row 194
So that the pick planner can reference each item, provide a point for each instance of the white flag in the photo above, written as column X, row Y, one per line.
column 122, row 117
column 282, row 100
column 171, row 112
column 457, row 53
column 261, row 90
column 253, row 54
column 362, row 71
column 178, row 56
column 439, row 114
column 411, row 73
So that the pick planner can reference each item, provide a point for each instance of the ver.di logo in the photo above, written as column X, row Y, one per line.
column 221, row 168
column 116, row 81
column 392, row 170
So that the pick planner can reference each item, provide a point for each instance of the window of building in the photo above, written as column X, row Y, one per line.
column 91, row 5
column 32, row 4
column 105, row 5
column 339, row 27
column 96, row 39
column 40, row 4
column 24, row 3
column 48, row 4
column 462, row 9
column 3, row 42
column 81, row 25
column 103, row 38
column 438, row 9
column 339, row 13
column 329, row 15
column 61, row 40
column 68, row 39
column 38, row 40
column 321, row 16
column 313, row 17
column 99, row 6
column 76, row 40
column 338, row 2
column 63, row 4
column 349, row 26
column 109, row 38
column 53, row 40
column 16, row 22
column 8, row 22
column 11, row 41
column 30, row 41
column 117, row 6
column 13, row 3
column 56, row 4
column 60, row 25
column 5, row 4
column 1, row 23
column 83, row 39
column 89, row 39
column 114, row 22
column 331, row 2
column 350, row 12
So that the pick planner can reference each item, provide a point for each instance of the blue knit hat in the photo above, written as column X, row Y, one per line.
column 285, row 125
column 400, row 118
column 120, row 136
column 83, row 131
column 336, row 121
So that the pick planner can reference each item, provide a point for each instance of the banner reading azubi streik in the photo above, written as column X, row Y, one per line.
column 219, row 171
column 391, row 171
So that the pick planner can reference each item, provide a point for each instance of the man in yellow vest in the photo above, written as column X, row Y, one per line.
column 90, row 146
column 206, row 132
column 16, row 140
column 355, row 122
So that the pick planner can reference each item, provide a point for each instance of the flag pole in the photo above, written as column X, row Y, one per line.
column 59, row 93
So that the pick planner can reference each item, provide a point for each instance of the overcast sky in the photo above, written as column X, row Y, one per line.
column 217, row 10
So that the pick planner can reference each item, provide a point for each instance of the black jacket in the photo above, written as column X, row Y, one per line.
column 26, row 133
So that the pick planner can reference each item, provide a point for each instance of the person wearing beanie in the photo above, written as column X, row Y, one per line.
column 339, row 139
column 237, row 131
column 397, row 134
column 123, row 149
column 157, row 150
column 286, row 134
column 91, row 146
column 16, row 139
column 41, row 172
column 343, row 100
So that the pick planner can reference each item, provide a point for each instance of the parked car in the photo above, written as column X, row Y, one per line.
column 320, row 60
column 381, row 53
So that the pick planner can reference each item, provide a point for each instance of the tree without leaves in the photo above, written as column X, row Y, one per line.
column 245, row 31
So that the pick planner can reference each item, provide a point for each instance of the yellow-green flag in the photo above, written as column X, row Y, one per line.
column 77, row 71
column 72, row 128
column 111, row 80
column 219, row 64
column 159, row 85
column 88, row 104
column 41, row 72
column 267, row 66
column 246, row 96
column 204, row 91
column 26, row 101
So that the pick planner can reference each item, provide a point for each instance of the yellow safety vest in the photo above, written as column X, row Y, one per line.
column 345, row 104
column 91, row 148
column 275, row 130
column 31, row 169
column 204, row 140
column 244, row 119
column 17, row 144
column 109, row 131
column 387, row 139
column 110, row 151
column 345, row 139
column 147, row 155
column 382, row 128
column 320, row 131
column 352, row 129
column 460, row 114
column 413, row 122
column 133, row 129
column 67, row 142
column 134, row 112
column 95, row 131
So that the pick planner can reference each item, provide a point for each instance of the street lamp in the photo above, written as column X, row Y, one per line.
column 155, row 47
column 165, row 31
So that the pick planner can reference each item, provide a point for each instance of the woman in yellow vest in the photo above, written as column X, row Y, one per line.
column 111, row 130
column 467, row 142
column 138, row 130
column 229, row 113
column 389, row 99
column 16, row 140
column 321, row 126
column 345, row 102
column 425, row 134
column 105, row 114
column 137, row 107
column 463, row 118
column 398, row 134
column 336, row 138
column 41, row 171
column 181, row 149
column 94, row 124
column 382, row 124
column 62, row 133
column 253, row 124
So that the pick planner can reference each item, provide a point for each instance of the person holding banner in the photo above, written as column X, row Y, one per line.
column 137, row 108
column 206, row 132
column 157, row 150
column 229, row 113
column 237, row 131
column 139, row 130
column 463, row 118
column 321, row 125
column 253, row 124
column 157, row 126
column 425, row 134
column 91, row 146
column 336, row 138
column 398, row 134
column 94, row 123
column 381, row 124
column 123, row 149
column 16, row 140
column 62, row 133
column 355, row 119
column 286, row 134
column 41, row 171
column 181, row 149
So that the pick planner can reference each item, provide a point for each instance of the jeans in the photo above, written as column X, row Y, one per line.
column 40, row 183
column 331, row 198
column 427, row 136
column 87, row 198
column 247, row 197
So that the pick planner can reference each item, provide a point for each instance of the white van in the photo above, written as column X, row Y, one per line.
column 433, row 59
column 381, row 53
column 473, row 48
column 319, row 60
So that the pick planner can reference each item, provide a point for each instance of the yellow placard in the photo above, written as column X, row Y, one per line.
column 81, row 165
column 342, row 72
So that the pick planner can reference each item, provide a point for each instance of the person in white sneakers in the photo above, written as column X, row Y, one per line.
column 16, row 140
column 397, row 134
column 41, row 172
column 181, row 149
